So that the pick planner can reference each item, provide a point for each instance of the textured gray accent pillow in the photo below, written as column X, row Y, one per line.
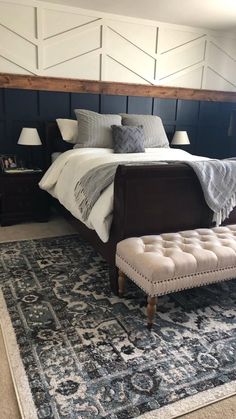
column 128, row 139
column 94, row 129
column 154, row 131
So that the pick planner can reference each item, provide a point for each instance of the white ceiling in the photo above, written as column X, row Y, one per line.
column 211, row 14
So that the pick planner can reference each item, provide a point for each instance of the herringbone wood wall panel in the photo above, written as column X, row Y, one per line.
column 54, row 40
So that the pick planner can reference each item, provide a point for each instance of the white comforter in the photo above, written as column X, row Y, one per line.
column 64, row 173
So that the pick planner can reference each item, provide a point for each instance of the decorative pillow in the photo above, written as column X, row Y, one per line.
column 68, row 129
column 154, row 131
column 128, row 139
column 94, row 129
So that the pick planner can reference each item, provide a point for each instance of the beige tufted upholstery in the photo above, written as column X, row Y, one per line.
column 174, row 261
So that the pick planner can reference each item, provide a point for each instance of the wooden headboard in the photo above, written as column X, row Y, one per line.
column 54, row 141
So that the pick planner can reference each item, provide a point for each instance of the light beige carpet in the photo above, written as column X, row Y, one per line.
column 225, row 409
column 8, row 403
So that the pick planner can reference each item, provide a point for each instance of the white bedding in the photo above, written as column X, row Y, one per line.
column 64, row 173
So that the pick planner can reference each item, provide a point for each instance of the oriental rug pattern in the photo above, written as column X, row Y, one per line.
column 88, row 354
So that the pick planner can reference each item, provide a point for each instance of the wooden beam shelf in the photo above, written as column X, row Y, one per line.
column 57, row 84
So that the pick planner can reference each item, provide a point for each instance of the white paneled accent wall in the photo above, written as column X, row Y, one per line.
column 52, row 40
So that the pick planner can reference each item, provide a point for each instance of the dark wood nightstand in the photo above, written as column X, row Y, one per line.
column 21, row 198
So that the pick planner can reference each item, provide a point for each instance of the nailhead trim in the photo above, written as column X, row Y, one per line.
column 175, row 277
column 177, row 289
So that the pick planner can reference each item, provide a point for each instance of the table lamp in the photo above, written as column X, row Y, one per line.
column 29, row 137
column 180, row 138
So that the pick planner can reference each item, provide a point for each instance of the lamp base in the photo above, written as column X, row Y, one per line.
column 30, row 162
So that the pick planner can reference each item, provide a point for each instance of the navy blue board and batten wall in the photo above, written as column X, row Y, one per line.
column 207, row 122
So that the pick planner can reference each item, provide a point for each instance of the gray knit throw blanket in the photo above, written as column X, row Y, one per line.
column 218, row 182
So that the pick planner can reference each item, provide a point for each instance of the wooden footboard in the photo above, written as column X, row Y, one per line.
column 156, row 199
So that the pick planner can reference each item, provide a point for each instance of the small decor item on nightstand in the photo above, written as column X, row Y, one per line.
column 29, row 137
column 180, row 138
column 8, row 162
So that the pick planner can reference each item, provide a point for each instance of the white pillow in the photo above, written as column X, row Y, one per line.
column 68, row 129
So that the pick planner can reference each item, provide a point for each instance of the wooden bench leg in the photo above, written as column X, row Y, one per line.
column 151, row 310
column 113, row 276
column 121, row 283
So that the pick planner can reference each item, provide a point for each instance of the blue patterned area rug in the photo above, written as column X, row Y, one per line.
column 77, row 351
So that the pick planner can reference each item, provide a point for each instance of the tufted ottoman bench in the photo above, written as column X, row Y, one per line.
column 160, row 264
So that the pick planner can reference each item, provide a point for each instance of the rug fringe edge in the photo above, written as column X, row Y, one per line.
column 180, row 408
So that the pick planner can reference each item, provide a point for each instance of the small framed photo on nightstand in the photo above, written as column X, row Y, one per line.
column 8, row 162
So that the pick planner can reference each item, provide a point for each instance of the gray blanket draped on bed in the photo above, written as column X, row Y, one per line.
column 218, row 182
column 217, row 179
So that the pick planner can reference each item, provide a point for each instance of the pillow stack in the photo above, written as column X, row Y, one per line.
column 124, row 133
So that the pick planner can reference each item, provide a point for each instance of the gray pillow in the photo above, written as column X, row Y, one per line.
column 94, row 129
column 154, row 131
column 128, row 139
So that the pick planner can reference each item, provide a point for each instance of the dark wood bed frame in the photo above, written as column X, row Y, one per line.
column 147, row 200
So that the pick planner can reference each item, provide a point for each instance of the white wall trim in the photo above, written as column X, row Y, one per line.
column 107, row 46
